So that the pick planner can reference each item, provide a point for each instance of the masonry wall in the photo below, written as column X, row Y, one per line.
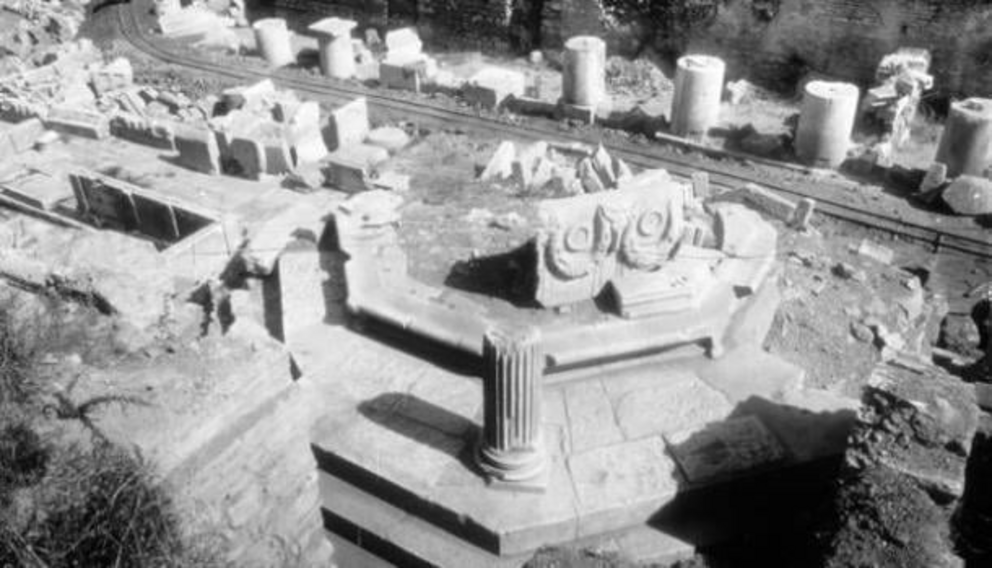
column 779, row 40
column 483, row 24
column 847, row 38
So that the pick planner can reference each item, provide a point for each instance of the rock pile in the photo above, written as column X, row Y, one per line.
column 538, row 166
column 904, row 470
column 41, row 23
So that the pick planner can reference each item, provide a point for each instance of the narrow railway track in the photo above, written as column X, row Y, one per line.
column 724, row 173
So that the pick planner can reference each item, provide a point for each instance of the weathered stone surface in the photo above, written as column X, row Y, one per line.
column 876, row 252
column 591, row 181
column 247, row 157
column 303, row 133
column 409, row 76
column 347, row 174
column 403, row 45
column 969, row 195
column 701, row 185
column 22, row 136
column 348, row 124
column 614, row 476
column 803, row 214
column 589, row 240
column 689, row 403
column 78, row 122
column 198, row 149
column 739, row 231
column 724, row 449
column 141, row 130
column 764, row 200
column 16, row 110
column 249, row 96
column 500, row 166
column 278, row 156
column 591, row 422
column 37, row 190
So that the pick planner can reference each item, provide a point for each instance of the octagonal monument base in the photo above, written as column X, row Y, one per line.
column 399, row 482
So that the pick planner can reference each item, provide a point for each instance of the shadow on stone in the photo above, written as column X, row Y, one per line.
column 503, row 276
column 307, row 58
column 424, row 423
column 445, row 357
column 749, row 491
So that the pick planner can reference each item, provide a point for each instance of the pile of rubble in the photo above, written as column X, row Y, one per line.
column 250, row 131
column 42, row 23
column 257, row 130
column 566, row 170
column 78, row 94
column 904, row 471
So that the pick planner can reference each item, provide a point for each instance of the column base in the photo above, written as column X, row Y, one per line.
column 515, row 470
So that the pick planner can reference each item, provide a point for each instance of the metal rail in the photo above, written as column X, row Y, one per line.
column 338, row 92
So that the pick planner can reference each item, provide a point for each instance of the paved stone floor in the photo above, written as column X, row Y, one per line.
column 397, row 427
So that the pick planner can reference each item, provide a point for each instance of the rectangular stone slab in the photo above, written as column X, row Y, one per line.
column 724, row 449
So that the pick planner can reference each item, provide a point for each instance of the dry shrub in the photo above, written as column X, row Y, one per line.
column 76, row 503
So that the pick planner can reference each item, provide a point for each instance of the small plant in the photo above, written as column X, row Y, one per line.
column 16, row 386
column 76, row 503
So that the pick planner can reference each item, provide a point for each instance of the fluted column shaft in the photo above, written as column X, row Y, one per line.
column 512, row 447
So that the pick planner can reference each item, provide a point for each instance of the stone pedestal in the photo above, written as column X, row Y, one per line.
column 584, row 74
column 337, row 54
column 825, row 123
column 512, row 447
column 967, row 139
column 698, row 89
column 272, row 39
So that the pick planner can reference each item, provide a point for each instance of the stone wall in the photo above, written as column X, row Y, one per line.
column 847, row 38
column 778, row 40
column 485, row 24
